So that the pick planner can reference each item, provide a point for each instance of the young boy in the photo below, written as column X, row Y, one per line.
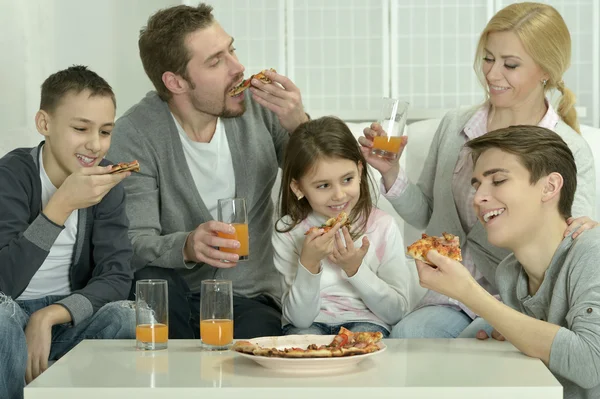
column 525, row 181
column 64, row 251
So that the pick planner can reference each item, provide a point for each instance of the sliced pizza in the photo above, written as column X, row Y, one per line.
column 330, row 223
column 448, row 245
column 246, row 82
column 345, row 343
column 126, row 167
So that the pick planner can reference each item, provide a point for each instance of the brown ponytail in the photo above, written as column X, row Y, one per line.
column 566, row 107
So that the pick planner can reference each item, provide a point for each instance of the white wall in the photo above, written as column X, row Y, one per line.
column 343, row 54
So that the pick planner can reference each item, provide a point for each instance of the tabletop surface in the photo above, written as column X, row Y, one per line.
column 445, row 368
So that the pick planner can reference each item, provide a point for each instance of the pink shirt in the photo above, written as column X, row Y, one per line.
column 463, row 194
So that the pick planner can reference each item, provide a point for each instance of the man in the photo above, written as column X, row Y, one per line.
column 64, row 251
column 197, row 144
column 525, row 179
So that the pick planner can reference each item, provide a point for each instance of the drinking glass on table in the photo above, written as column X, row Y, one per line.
column 392, row 121
column 233, row 211
column 151, row 314
column 216, row 314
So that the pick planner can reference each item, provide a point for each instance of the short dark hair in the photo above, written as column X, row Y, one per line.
column 326, row 137
column 540, row 151
column 76, row 78
column 162, row 42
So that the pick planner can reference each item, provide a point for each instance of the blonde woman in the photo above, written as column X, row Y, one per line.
column 522, row 55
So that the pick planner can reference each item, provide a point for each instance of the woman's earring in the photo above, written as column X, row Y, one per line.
column 300, row 197
column 544, row 81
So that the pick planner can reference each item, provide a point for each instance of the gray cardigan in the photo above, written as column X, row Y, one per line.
column 430, row 205
column 570, row 298
column 164, row 206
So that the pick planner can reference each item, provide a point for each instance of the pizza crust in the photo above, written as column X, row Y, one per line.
column 448, row 245
column 126, row 167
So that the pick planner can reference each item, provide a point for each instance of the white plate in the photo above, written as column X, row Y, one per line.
column 305, row 365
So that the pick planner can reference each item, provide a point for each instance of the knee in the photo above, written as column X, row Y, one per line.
column 406, row 329
column 117, row 319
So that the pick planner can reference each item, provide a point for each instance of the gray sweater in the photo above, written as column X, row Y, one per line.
column 164, row 205
column 569, row 297
column 430, row 205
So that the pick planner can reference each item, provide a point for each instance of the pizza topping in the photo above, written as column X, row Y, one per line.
column 448, row 245
column 345, row 343
column 244, row 84
column 342, row 218
column 126, row 167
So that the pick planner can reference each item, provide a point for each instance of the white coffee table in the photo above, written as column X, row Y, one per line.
column 416, row 368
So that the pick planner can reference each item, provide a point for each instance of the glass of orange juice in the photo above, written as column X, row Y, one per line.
column 216, row 314
column 233, row 211
column 393, row 121
column 151, row 314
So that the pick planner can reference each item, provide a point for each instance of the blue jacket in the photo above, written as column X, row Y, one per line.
column 100, row 271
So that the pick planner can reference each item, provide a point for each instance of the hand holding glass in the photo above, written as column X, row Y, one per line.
column 233, row 211
column 151, row 314
column 216, row 314
column 392, row 121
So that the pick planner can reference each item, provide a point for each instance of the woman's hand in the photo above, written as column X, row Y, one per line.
column 389, row 169
column 579, row 225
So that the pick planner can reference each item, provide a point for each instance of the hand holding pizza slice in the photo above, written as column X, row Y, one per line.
column 245, row 84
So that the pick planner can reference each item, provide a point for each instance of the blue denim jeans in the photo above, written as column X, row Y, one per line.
column 115, row 320
column 432, row 322
column 333, row 329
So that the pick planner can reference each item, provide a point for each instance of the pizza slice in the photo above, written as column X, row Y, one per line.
column 330, row 223
column 126, row 167
column 448, row 245
column 246, row 82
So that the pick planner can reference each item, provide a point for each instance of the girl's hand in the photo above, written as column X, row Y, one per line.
column 388, row 169
column 450, row 278
column 317, row 246
column 579, row 225
column 348, row 257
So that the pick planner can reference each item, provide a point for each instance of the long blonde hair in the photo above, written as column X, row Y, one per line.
column 546, row 39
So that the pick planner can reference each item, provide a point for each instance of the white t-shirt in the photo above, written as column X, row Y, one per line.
column 52, row 278
column 211, row 166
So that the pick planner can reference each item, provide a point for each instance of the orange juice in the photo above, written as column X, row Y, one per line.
column 241, row 234
column 156, row 333
column 386, row 143
column 216, row 332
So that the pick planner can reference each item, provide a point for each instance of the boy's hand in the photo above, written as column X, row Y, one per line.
column 347, row 256
column 80, row 190
column 317, row 246
column 38, row 336
column 450, row 278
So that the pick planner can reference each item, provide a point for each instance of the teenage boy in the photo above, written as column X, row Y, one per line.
column 64, row 250
column 197, row 144
column 525, row 179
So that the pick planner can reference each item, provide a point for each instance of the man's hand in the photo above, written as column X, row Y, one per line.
column 317, row 246
column 201, row 245
column 38, row 335
column 579, row 225
column 80, row 190
column 348, row 257
column 389, row 169
column 450, row 278
column 282, row 97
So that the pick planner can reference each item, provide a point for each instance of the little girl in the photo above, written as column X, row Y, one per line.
column 356, row 278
